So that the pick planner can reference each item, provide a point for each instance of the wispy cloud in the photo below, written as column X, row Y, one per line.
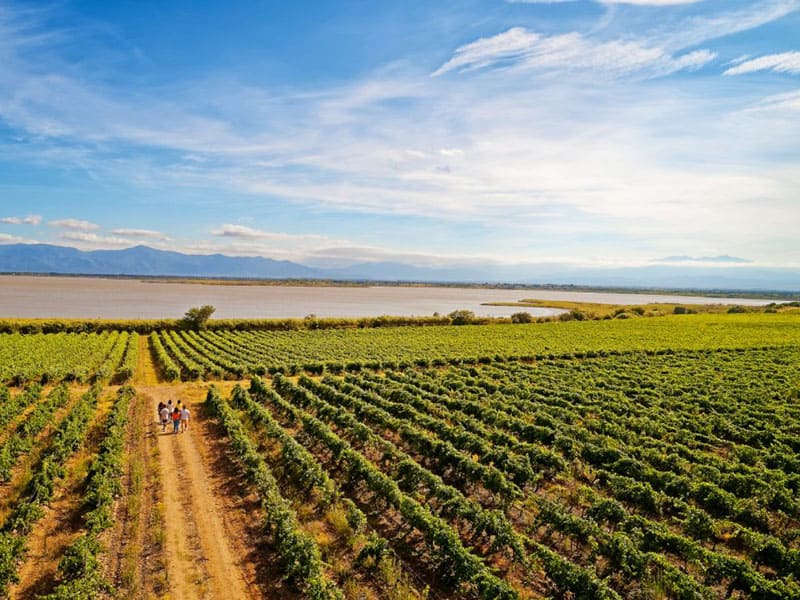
column 545, row 139
column 29, row 220
column 6, row 238
column 141, row 233
column 651, row 2
column 74, row 224
column 635, row 2
column 92, row 240
column 249, row 233
column 701, row 28
column 241, row 240
column 525, row 49
column 510, row 45
column 785, row 62
column 788, row 102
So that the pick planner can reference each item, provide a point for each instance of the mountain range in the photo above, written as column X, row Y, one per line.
column 146, row 261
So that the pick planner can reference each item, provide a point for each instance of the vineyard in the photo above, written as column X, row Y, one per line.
column 631, row 476
column 236, row 354
column 76, row 357
column 641, row 459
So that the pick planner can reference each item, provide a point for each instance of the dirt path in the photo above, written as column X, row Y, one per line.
column 146, row 372
column 207, row 539
column 208, row 530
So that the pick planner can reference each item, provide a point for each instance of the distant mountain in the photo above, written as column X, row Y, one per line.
column 142, row 260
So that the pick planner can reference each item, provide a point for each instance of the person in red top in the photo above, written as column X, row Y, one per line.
column 176, row 419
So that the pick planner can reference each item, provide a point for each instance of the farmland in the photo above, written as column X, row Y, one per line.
column 641, row 458
column 198, row 354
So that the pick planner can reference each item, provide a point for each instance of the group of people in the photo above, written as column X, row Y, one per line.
column 177, row 413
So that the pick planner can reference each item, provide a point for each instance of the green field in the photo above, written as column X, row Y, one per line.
column 215, row 353
column 642, row 458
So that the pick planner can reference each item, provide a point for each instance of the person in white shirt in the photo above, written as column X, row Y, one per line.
column 185, row 418
column 164, row 418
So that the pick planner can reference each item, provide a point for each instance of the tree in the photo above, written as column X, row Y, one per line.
column 461, row 317
column 521, row 317
column 196, row 318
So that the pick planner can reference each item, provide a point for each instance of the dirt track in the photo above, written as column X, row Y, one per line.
column 207, row 535
column 209, row 526
column 187, row 527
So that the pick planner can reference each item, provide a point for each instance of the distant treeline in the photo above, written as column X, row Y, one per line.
column 150, row 325
column 572, row 311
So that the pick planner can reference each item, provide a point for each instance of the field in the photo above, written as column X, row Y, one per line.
column 641, row 458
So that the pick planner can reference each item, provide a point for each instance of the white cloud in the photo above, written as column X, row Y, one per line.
column 509, row 45
column 141, row 233
column 636, row 2
column 545, row 162
column 785, row 62
column 74, row 224
column 237, row 240
column 651, row 2
column 242, row 231
column 738, row 60
column 522, row 49
column 788, row 102
column 6, row 238
column 93, row 240
column 29, row 220
column 710, row 26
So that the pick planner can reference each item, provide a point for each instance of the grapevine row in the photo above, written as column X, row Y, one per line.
column 299, row 554
column 41, row 487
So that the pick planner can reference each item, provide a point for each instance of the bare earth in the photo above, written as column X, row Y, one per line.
column 211, row 523
column 195, row 530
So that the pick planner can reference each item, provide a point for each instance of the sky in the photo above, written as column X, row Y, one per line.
column 584, row 132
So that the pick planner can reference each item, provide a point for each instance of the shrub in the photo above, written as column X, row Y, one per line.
column 461, row 317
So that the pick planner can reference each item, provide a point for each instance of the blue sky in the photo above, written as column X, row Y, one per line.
column 584, row 132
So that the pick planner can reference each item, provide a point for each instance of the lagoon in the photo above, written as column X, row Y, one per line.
column 129, row 298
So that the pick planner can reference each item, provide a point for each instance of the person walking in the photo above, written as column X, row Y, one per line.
column 176, row 419
column 185, row 418
column 165, row 416
column 158, row 412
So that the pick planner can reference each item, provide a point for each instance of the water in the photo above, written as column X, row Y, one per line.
column 83, row 298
